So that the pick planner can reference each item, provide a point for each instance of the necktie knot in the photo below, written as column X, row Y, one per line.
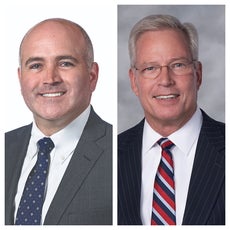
column 45, row 145
column 165, row 143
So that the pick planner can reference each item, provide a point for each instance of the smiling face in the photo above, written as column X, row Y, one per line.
column 55, row 80
column 168, row 100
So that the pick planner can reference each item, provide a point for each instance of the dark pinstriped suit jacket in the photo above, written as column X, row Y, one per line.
column 206, row 196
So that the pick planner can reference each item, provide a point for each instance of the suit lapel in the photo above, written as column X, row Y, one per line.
column 130, row 178
column 207, row 174
column 16, row 151
column 83, row 160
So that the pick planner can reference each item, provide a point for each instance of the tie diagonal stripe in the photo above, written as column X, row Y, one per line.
column 158, row 219
column 168, row 220
column 165, row 178
column 169, row 166
column 164, row 210
column 168, row 197
column 167, row 204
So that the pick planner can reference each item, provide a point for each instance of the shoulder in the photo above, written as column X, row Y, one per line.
column 19, row 132
column 131, row 135
column 17, row 139
column 98, row 131
column 95, row 122
column 212, row 126
column 213, row 134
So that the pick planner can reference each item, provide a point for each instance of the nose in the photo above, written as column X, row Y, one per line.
column 51, row 75
column 165, row 78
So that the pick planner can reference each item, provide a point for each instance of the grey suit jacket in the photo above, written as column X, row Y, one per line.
column 205, row 203
column 84, row 196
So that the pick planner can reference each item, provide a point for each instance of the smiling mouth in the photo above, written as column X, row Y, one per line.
column 166, row 97
column 58, row 94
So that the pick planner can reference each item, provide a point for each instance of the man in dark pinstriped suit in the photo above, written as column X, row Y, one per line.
column 166, row 74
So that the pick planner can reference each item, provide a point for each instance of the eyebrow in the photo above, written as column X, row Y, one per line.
column 179, row 58
column 58, row 58
column 169, row 61
column 33, row 59
column 64, row 57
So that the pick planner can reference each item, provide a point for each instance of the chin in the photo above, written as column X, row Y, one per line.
column 51, row 116
column 166, row 116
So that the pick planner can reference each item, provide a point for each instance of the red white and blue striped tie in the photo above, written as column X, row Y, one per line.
column 163, row 206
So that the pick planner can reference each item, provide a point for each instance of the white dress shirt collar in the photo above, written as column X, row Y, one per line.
column 63, row 136
column 183, row 138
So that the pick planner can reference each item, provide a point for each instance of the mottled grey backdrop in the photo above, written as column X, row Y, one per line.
column 210, row 23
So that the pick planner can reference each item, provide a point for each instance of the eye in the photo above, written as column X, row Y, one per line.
column 178, row 65
column 35, row 66
column 150, row 69
column 66, row 64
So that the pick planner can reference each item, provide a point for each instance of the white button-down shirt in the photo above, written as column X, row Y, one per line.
column 185, row 140
column 65, row 142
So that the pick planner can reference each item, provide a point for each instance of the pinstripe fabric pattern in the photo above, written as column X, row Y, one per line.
column 164, row 209
column 129, row 176
column 206, row 196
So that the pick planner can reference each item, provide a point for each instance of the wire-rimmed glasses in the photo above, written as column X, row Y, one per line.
column 177, row 67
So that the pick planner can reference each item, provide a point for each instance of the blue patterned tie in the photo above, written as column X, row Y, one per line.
column 164, row 208
column 30, row 207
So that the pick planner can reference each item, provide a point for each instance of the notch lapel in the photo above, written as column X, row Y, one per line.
column 82, row 162
column 129, row 176
column 78, row 169
column 208, row 174
column 16, row 144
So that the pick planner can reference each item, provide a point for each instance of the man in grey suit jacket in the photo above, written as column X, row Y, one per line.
column 166, row 74
column 57, row 75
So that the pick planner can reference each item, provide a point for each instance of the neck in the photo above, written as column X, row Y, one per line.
column 166, row 128
column 49, row 127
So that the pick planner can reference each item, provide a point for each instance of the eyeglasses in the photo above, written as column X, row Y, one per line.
column 178, row 67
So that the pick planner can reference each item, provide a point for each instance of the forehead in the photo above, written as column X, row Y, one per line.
column 169, row 36
column 53, row 34
column 162, row 43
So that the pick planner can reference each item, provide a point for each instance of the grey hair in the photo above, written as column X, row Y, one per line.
column 89, row 53
column 161, row 22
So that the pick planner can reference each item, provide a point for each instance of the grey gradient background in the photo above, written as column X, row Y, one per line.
column 210, row 23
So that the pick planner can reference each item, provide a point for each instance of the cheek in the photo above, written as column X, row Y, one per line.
column 190, row 91
column 145, row 89
column 79, row 86
column 140, row 87
column 26, row 87
column 193, row 86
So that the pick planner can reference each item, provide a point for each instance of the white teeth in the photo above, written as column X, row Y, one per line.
column 166, row 96
column 52, row 94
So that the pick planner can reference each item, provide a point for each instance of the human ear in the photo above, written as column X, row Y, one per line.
column 94, row 76
column 133, row 81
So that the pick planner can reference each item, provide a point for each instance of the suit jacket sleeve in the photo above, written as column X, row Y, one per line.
column 84, row 196
column 205, row 203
